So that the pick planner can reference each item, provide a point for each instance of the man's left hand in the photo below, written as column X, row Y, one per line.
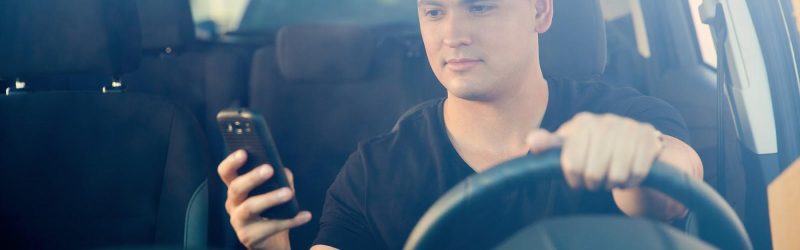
column 605, row 150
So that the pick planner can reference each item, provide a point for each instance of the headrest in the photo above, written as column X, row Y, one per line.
column 49, row 37
column 328, row 53
column 165, row 23
column 575, row 46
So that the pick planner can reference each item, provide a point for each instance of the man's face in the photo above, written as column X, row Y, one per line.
column 482, row 49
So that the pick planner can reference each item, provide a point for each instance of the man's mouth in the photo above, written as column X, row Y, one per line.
column 461, row 64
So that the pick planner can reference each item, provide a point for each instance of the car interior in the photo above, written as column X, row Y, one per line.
column 109, row 135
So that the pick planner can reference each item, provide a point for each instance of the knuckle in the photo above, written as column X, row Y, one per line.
column 228, row 207
column 581, row 118
column 245, row 239
column 235, row 189
column 628, row 123
column 240, row 213
column 593, row 176
column 267, row 200
column 640, row 172
column 573, row 172
column 616, row 178
column 647, row 127
column 577, row 166
column 235, row 223
column 221, row 168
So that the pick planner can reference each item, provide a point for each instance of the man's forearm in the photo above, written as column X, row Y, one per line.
column 643, row 202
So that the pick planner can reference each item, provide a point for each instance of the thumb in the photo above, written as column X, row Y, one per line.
column 541, row 140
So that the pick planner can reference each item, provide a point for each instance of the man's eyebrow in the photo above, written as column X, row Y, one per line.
column 429, row 2
column 468, row 2
column 461, row 2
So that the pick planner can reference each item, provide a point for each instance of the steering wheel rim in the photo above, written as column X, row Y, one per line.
column 717, row 222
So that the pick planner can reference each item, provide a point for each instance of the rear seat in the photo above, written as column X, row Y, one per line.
column 85, row 169
column 324, row 88
column 204, row 77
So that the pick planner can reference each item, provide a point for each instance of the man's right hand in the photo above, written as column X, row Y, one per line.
column 254, row 231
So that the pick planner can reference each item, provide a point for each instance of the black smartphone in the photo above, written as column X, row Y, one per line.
column 242, row 129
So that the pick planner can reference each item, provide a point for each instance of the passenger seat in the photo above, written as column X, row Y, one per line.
column 91, row 169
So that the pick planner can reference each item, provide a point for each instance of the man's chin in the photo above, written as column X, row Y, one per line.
column 468, row 89
column 475, row 96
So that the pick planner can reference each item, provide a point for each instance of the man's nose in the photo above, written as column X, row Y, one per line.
column 456, row 33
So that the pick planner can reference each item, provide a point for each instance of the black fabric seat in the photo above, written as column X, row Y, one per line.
column 201, row 76
column 324, row 88
column 86, row 169
column 575, row 47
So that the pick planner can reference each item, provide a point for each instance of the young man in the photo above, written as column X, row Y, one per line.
column 499, row 106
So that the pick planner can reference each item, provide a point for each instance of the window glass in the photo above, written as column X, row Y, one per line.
column 705, row 39
column 628, row 44
column 271, row 14
column 214, row 17
column 624, row 18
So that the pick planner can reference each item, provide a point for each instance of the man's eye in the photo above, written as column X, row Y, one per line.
column 480, row 9
column 433, row 13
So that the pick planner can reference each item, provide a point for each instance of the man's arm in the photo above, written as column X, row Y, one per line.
column 616, row 153
column 648, row 203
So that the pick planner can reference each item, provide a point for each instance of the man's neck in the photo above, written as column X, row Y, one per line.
column 486, row 133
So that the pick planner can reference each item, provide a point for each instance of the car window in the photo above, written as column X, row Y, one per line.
column 625, row 18
column 703, row 34
column 212, row 17
column 272, row 14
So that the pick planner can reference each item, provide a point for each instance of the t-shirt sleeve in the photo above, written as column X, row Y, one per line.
column 661, row 115
column 630, row 103
column 343, row 224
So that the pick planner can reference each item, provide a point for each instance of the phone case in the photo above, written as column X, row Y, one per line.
column 242, row 129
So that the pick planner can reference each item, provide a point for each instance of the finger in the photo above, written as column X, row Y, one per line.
column 289, row 177
column 241, row 187
column 252, row 208
column 571, row 126
column 541, row 140
column 256, row 233
column 645, row 156
column 598, row 157
column 572, row 157
column 227, row 168
column 622, row 160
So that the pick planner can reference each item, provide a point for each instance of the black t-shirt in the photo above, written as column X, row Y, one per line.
column 391, row 180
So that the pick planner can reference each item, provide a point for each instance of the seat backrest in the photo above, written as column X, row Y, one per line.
column 202, row 76
column 324, row 88
column 85, row 169
column 575, row 46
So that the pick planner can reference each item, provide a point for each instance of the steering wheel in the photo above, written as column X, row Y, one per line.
column 717, row 222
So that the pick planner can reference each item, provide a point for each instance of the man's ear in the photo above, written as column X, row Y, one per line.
column 544, row 15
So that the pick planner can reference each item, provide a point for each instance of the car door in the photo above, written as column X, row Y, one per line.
column 758, row 40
